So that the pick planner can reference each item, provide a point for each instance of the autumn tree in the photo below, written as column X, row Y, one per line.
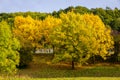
column 9, row 56
column 48, row 24
column 27, row 30
column 33, row 34
column 80, row 37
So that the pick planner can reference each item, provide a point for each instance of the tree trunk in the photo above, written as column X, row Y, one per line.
column 34, row 50
column 93, row 59
column 73, row 65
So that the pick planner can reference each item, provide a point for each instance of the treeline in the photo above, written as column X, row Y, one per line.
column 109, row 16
column 9, row 17
column 76, row 34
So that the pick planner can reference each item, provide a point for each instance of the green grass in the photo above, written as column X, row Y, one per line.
column 72, row 78
column 46, row 71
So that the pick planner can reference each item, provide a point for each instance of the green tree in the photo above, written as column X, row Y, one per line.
column 81, row 10
column 9, row 56
column 80, row 37
column 116, row 24
column 116, row 56
column 117, row 48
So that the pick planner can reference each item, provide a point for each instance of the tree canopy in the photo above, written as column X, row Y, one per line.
column 9, row 56
column 79, row 37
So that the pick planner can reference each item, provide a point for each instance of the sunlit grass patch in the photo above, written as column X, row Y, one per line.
column 72, row 78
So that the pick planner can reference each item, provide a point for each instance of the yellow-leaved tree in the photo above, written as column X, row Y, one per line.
column 28, row 31
column 33, row 35
column 80, row 37
column 48, row 24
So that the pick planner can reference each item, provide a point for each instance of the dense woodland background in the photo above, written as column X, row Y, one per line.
column 109, row 16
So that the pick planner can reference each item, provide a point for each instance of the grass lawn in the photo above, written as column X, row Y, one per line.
column 43, row 71
column 62, row 72
column 58, row 71
column 76, row 78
